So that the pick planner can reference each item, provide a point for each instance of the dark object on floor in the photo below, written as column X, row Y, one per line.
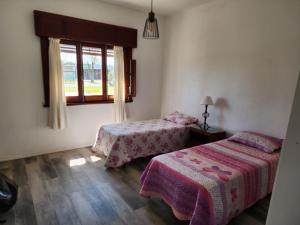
column 8, row 193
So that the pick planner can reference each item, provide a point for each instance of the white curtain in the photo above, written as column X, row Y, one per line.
column 119, row 99
column 57, row 109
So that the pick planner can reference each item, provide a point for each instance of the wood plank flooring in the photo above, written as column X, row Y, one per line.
column 73, row 188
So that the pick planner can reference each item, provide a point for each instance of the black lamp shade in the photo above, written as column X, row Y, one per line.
column 151, row 27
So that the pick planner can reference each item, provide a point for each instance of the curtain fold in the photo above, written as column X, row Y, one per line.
column 57, row 109
column 119, row 98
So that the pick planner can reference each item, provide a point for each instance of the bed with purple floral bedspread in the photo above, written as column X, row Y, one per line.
column 124, row 142
column 212, row 183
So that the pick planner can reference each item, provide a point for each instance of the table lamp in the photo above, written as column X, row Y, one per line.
column 207, row 100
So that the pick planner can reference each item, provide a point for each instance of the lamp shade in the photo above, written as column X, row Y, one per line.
column 151, row 29
column 151, row 26
column 207, row 100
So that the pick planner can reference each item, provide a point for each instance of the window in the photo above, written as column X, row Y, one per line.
column 88, row 72
column 69, row 67
column 110, row 72
column 87, row 57
column 92, row 71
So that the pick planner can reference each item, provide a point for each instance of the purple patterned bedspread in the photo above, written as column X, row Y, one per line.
column 210, row 184
column 126, row 141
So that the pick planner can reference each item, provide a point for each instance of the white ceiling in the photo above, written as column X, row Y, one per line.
column 162, row 7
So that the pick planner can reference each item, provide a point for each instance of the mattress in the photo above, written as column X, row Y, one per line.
column 212, row 183
column 124, row 142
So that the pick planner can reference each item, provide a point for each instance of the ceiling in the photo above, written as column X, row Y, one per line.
column 162, row 7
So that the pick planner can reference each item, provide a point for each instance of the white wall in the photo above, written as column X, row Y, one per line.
column 23, row 130
column 284, row 207
column 245, row 54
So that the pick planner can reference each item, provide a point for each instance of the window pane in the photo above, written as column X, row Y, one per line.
column 110, row 72
column 92, row 71
column 69, row 65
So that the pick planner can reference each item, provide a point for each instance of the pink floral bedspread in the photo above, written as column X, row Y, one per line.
column 126, row 141
column 210, row 184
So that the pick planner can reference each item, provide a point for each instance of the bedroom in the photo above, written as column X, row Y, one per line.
column 244, row 54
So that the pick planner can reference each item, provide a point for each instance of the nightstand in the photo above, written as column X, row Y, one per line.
column 198, row 136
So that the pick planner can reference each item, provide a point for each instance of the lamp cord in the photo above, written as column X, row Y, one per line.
column 151, row 5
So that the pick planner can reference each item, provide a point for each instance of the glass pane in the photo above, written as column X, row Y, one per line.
column 92, row 71
column 69, row 65
column 110, row 72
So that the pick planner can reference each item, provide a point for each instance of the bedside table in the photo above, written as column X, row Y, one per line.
column 198, row 136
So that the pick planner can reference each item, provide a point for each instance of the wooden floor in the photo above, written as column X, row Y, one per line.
column 73, row 187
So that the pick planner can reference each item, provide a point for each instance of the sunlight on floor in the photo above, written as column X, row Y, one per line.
column 77, row 162
column 95, row 158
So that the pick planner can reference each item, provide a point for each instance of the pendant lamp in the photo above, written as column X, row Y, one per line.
column 151, row 26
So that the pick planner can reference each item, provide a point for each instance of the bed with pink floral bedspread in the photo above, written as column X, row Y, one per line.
column 212, row 183
column 126, row 141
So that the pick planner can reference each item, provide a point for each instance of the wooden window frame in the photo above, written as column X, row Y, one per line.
column 81, row 98
column 91, row 99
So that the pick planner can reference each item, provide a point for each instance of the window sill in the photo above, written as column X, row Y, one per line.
column 92, row 102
